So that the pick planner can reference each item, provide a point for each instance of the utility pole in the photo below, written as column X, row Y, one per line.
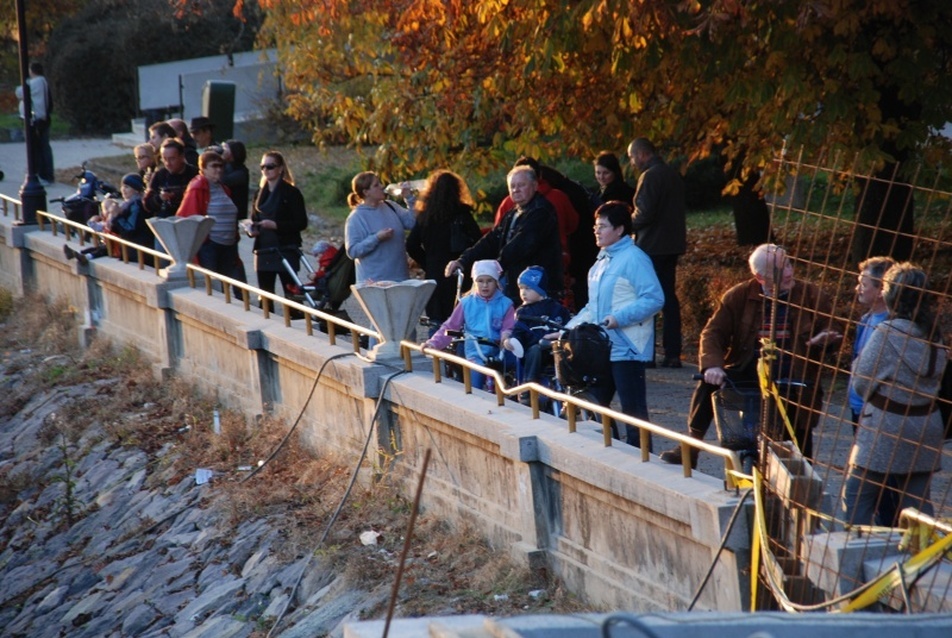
column 32, row 193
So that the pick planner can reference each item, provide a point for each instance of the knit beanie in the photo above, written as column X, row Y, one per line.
column 489, row 267
column 534, row 278
column 133, row 180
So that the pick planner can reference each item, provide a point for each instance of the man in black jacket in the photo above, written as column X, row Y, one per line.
column 661, row 231
column 527, row 235
column 167, row 186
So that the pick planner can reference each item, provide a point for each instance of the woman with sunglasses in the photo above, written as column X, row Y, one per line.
column 206, row 195
column 278, row 218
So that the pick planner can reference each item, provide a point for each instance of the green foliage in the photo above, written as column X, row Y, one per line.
column 93, row 56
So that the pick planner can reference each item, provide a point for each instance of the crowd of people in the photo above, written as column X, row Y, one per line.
column 624, row 243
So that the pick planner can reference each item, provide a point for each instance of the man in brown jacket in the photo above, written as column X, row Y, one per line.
column 802, row 328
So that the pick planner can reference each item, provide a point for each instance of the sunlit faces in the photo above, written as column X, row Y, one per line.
column 127, row 191
column 779, row 269
column 868, row 289
column 603, row 176
column 375, row 192
column 485, row 286
column 605, row 233
column 638, row 159
column 172, row 159
column 155, row 139
column 521, row 188
column 528, row 295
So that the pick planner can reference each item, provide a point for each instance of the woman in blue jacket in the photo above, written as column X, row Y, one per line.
column 624, row 295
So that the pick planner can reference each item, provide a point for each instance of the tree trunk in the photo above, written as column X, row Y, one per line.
column 885, row 218
column 751, row 214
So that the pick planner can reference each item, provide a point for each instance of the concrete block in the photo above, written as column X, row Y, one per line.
column 835, row 562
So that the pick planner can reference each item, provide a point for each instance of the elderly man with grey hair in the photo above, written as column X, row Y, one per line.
column 797, row 314
column 527, row 235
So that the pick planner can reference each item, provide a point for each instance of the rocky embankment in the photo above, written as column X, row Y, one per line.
column 100, row 538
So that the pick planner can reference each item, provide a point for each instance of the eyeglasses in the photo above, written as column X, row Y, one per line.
column 215, row 165
column 139, row 158
column 268, row 167
column 601, row 227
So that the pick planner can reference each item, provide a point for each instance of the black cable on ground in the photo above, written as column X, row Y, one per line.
column 297, row 421
column 717, row 556
column 340, row 506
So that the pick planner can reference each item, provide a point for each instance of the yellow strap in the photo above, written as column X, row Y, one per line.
column 769, row 388
column 910, row 569
column 866, row 594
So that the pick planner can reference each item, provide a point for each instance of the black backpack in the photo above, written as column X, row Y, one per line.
column 583, row 355
column 341, row 273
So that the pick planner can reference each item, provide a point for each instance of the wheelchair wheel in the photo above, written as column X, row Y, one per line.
column 583, row 414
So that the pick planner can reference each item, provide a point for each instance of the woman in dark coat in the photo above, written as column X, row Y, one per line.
column 444, row 228
column 236, row 176
column 612, row 186
column 278, row 219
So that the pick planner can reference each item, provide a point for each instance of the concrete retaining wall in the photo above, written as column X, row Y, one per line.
column 620, row 533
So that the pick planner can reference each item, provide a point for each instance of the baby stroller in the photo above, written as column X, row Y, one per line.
column 325, row 291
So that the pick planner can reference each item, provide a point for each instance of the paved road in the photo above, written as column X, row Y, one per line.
column 66, row 154
column 68, row 157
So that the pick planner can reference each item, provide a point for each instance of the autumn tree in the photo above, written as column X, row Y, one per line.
column 471, row 84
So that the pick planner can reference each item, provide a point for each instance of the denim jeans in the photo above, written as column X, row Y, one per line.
column 628, row 378
column 872, row 497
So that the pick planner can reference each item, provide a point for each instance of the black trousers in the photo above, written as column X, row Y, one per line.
column 666, row 268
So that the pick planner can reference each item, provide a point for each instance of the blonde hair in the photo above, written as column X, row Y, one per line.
column 145, row 147
column 278, row 158
column 110, row 206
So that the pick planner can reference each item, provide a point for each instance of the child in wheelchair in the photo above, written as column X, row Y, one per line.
column 484, row 315
column 538, row 316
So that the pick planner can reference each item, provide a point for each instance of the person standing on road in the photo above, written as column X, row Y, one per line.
column 375, row 231
column 278, row 218
column 444, row 228
column 207, row 195
column 869, row 294
column 527, row 235
column 898, row 443
column 797, row 313
column 167, row 186
column 40, row 117
column 624, row 296
column 661, row 231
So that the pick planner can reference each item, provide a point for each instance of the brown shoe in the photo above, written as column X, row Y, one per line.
column 673, row 456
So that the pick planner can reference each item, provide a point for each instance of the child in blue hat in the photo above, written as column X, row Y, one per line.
column 538, row 315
